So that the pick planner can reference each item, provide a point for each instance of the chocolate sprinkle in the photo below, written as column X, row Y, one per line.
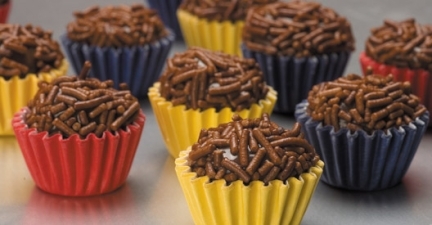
column 296, row 28
column 281, row 153
column 202, row 79
column 116, row 26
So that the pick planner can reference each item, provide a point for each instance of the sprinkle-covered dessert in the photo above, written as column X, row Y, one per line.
column 297, row 28
column 79, row 105
column 370, row 103
column 221, row 9
column 79, row 135
column 27, row 49
column 249, row 171
column 116, row 26
column 404, row 43
column 298, row 44
column 403, row 49
column 202, row 89
column 251, row 149
column 126, row 44
column 202, row 79
column 366, row 128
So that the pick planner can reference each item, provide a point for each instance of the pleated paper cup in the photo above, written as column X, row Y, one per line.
column 167, row 11
column 420, row 79
column 222, row 36
column 361, row 161
column 138, row 66
column 293, row 77
column 217, row 203
column 4, row 11
column 16, row 92
column 180, row 127
column 74, row 166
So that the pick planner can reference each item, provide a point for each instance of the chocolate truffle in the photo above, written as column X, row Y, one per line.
column 27, row 49
column 297, row 28
column 201, row 79
column 402, row 44
column 116, row 26
column 370, row 103
column 251, row 149
column 79, row 105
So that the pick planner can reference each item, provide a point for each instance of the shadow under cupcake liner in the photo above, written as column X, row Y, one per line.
column 217, row 203
column 138, row 66
column 167, row 11
column 420, row 79
column 78, row 167
column 293, row 77
column 359, row 161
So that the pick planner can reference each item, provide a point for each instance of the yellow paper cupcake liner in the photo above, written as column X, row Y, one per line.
column 180, row 127
column 16, row 92
column 276, row 203
column 214, row 35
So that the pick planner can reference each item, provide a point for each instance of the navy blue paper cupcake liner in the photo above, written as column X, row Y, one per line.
column 293, row 77
column 359, row 161
column 167, row 10
column 138, row 66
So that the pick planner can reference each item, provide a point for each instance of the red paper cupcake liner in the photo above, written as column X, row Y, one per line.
column 77, row 167
column 4, row 12
column 420, row 79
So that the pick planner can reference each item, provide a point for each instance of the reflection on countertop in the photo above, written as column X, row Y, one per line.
column 45, row 208
column 15, row 180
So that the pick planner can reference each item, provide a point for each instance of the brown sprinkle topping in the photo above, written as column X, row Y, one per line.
column 27, row 49
column 202, row 79
column 296, row 28
column 221, row 9
column 375, row 105
column 402, row 44
column 72, row 111
column 116, row 26
column 288, row 156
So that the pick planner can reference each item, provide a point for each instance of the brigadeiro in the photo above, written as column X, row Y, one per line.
column 79, row 135
column 297, row 44
column 366, row 129
column 28, row 54
column 127, row 44
column 201, row 89
column 403, row 49
column 249, row 171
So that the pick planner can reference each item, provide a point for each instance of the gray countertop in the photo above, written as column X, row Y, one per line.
column 152, row 194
